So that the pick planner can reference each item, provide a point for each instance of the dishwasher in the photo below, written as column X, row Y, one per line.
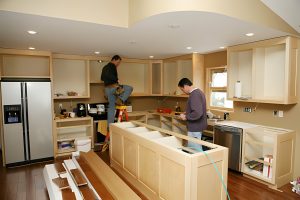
column 232, row 138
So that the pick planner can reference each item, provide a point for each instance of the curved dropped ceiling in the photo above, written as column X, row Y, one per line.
column 253, row 11
column 124, row 13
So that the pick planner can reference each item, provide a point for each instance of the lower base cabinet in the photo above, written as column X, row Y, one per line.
column 156, row 162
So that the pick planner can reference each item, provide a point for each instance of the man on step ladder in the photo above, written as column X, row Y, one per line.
column 116, row 94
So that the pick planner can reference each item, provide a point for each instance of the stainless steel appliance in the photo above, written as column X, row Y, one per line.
column 230, row 134
column 81, row 111
column 230, row 137
column 27, row 124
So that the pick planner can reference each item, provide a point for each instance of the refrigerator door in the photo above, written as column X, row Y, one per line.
column 13, row 133
column 40, row 119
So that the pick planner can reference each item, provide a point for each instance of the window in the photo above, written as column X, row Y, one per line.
column 217, row 88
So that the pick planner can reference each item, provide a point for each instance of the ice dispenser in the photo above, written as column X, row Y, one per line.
column 12, row 114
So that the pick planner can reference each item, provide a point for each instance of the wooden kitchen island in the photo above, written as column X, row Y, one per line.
column 158, row 163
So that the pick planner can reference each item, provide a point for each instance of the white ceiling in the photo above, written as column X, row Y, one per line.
column 204, row 32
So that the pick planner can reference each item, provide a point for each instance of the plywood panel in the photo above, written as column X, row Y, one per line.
column 140, row 73
column 169, row 77
column 207, row 185
column 171, row 180
column 275, row 70
column 148, row 167
column 156, row 78
column 130, row 156
column 17, row 65
column 117, row 148
column 95, row 70
column 70, row 75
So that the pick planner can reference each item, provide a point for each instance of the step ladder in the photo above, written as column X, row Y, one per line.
column 120, row 111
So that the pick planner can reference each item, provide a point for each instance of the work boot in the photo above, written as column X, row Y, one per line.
column 119, row 102
column 120, row 90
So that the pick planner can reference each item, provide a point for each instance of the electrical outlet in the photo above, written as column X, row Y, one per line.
column 248, row 109
column 278, row 113
column 60, row 106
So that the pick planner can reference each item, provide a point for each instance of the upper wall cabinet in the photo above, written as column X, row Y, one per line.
column 25, row 64
column 96, row 67
column 267, row 71
column 70, row 77
column 189, row 66
column 136, row 74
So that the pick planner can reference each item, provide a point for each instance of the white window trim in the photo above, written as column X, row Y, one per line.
column 209, row 88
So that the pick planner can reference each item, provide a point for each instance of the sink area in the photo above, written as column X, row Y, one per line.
column 213, row 121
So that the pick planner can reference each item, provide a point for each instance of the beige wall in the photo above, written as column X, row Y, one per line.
column 112, row 12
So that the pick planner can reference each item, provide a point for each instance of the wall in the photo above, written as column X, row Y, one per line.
column 112, row 12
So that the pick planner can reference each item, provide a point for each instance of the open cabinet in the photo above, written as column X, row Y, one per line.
column 267, row 71
column 157, row 163
column 189, row 66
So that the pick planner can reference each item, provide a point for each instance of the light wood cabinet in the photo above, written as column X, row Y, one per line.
column 266, row 69
column 155, row 162
column 156, row 78
column 260, row 144
column 70, row 74
column 25, row 64
column 189, row 66
column 96, row 67
column 135, row 73
column 69, row 129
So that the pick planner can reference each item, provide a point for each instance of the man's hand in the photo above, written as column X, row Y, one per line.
column 182, row 116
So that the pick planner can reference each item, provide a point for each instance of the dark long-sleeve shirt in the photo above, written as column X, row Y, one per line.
column 196, row 111
column 109, row 74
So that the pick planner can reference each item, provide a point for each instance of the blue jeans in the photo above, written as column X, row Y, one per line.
column 193, row 145
column 110, row 93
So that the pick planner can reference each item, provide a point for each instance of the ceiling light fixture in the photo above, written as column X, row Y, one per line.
column 32, row 32
column 189, row 48
column 151, row 57
column 222, row 47
column 31, row 48
column 249, row 34
column 132, row 42
column 97, row 52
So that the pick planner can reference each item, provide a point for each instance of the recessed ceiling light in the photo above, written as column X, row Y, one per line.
column 222, row 47
column 132, row 42
column 32, row 32
column 97, row 52
column 174, row 26
column 195, row 52
column 151, row 56
column 189, row 48
column 31, row 48
column 249, row 34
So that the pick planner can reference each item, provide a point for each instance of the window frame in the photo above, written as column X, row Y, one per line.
column 209, row 89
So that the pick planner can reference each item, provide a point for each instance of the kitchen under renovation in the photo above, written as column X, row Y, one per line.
column 147, row 99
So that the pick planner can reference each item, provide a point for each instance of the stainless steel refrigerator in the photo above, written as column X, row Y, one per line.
column 27, row 121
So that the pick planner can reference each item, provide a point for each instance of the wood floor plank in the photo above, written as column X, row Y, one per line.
column 27, row 183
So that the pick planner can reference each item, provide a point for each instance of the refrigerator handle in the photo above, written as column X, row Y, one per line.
column 26, row 121
column 23, row 120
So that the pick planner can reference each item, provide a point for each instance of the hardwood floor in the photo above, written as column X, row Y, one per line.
column 27, row 182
